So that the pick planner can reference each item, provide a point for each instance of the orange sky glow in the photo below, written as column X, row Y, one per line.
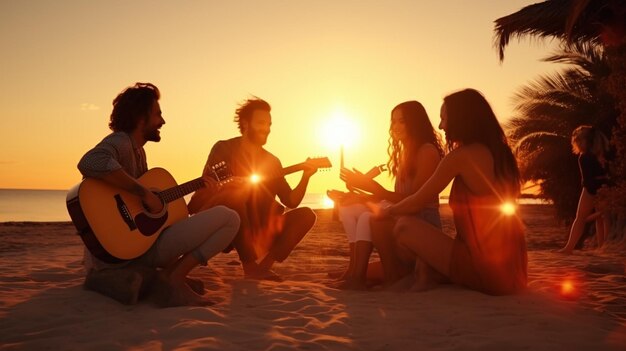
column 63, row 63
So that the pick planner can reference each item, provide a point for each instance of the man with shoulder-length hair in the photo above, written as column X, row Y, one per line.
column 119, row 160
column 267, row 231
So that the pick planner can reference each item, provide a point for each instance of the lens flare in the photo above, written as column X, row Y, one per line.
column 508, row 208
column 567, row 287
column 255, row 178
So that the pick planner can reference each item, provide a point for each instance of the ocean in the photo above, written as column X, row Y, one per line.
column 17, row 205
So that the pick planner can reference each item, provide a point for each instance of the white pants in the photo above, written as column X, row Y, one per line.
column 356, row 222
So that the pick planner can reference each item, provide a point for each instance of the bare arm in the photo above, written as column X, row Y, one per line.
column 449, row 167
column 427, row 161
column 292, row 197
column 356, row 180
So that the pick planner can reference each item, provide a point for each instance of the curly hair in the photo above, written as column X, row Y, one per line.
column 246, row 108
column 131, row 105
column 594, row 141
column 420, row 131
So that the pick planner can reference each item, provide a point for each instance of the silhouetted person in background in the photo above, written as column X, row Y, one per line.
column 591, row 146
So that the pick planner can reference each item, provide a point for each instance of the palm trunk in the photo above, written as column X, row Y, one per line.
column 616, row 85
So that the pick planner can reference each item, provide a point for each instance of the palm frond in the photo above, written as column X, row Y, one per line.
column 544, row 20
column 539, row 140
column 577, row 10
column 557, row 87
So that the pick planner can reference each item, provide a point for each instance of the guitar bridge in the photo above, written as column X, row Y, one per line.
column 123, row 210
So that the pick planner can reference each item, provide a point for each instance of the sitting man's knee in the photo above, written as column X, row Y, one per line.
column 308, row 216
column 228, row 215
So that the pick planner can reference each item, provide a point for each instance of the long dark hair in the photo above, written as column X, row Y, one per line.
column 420, row 132
column 471, row 120
column 131, row 105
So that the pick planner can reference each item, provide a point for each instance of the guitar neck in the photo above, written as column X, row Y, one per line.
column 176, row 192
column 293, row 168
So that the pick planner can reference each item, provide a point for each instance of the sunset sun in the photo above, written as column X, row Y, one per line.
column 338, row 130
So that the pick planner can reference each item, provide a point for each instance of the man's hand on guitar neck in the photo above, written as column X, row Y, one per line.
column 309, row 168
column 210, row 183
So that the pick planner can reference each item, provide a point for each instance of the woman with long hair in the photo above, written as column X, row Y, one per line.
column 414, row 152
column 590, row 145
column 488, row 253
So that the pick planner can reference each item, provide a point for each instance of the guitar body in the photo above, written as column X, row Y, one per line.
column 113, row 223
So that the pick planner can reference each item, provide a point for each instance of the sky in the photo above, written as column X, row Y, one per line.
column 63, row 62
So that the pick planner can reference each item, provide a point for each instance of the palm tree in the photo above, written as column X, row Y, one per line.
column 548, row 110
column 584, row 21
column 572, row 21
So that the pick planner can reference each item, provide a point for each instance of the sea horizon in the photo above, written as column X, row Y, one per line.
column 48, row 205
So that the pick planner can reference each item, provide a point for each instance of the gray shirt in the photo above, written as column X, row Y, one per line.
column 116, row 151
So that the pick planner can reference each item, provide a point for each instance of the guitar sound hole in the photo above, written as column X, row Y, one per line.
column 158, row 214
column 149, row 224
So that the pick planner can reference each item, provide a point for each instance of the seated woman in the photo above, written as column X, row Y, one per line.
column 489, row 251
column 414, row 152
column 591, row 146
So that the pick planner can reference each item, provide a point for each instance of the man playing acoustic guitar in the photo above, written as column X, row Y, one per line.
column 119, row 160
column 267, row 231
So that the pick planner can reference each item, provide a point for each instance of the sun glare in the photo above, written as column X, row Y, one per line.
column 327, row 202
column 255, row 178
column 339, row 130
column 508, row 208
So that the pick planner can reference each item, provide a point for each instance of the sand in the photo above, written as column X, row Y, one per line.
column 44, row 307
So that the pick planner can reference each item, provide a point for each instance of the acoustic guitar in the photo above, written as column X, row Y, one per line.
column 204, row 199
column 114, row 224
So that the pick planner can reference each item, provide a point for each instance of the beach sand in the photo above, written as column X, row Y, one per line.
column 44, row 307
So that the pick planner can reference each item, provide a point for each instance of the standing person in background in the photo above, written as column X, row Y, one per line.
column 489, row 251
column 591, row 147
